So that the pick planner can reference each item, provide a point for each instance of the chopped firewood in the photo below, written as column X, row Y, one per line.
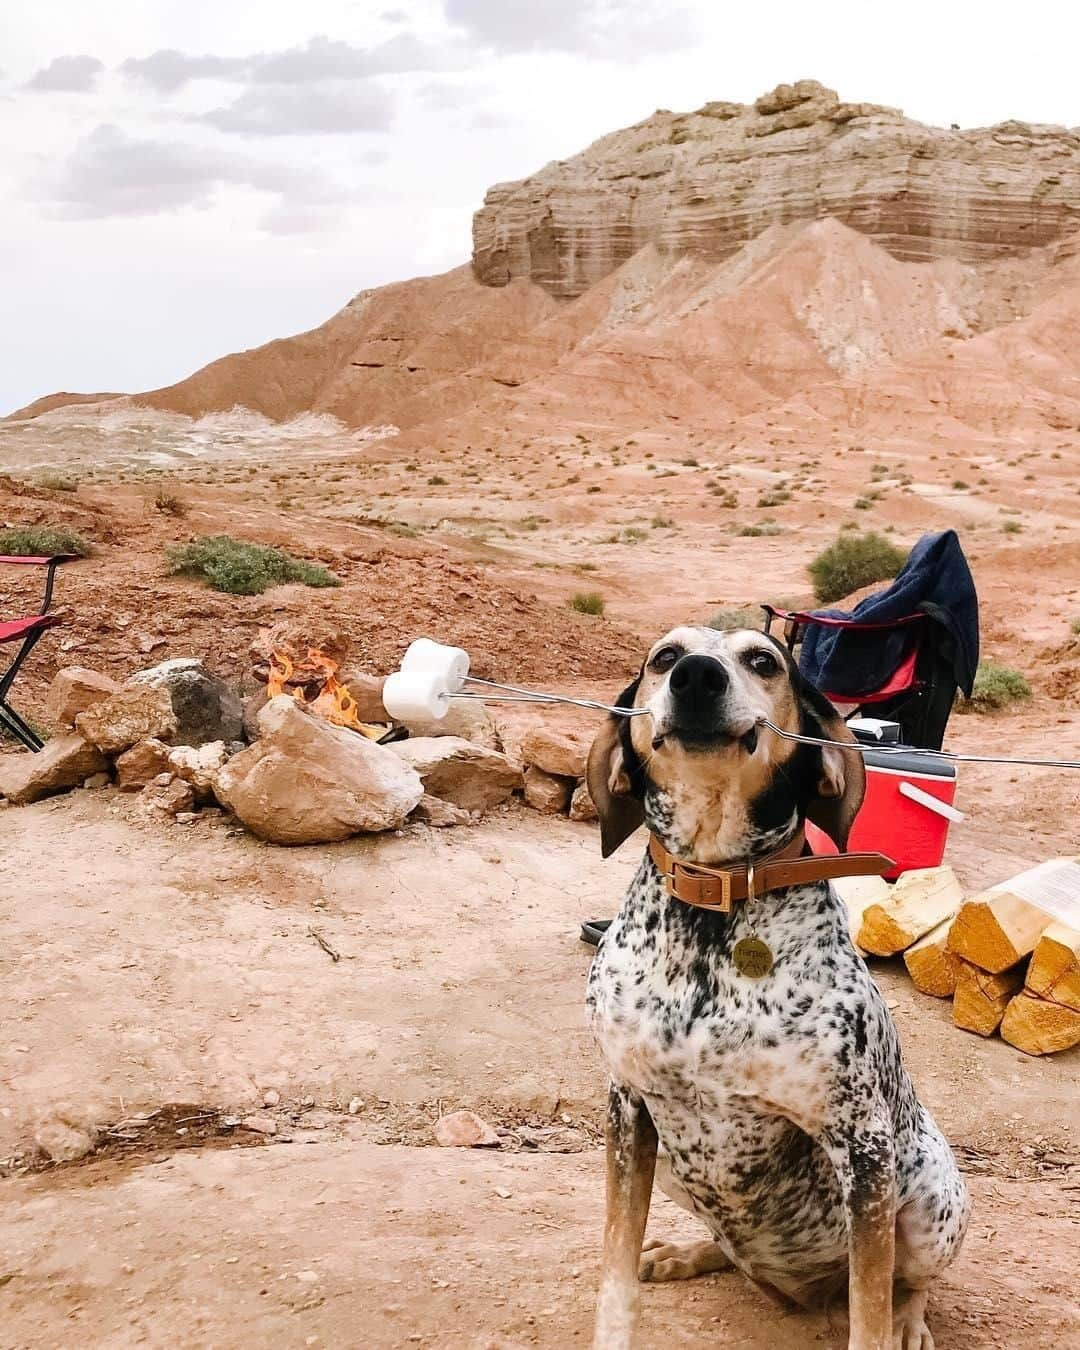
column 858, row 894
column 1039, row 1027
column 931, row 965
column 981, row 998
column 918, row 902
column 999, row 927
column 1054, row 972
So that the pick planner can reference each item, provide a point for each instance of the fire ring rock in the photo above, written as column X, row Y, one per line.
column 205, row 707
column 308, row 782
column 458, row 771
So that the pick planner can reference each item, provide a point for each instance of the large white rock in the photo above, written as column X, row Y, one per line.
column 308, row 782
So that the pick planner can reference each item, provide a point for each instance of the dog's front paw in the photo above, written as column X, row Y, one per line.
column 910, row 1331
column 663, row 1261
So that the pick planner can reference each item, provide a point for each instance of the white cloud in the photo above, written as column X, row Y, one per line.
column 300, row 110
column 598, row 27
column 168, row 70
column 67, row 74
column 110, row 173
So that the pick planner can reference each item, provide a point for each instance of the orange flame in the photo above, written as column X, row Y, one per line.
column 333, row 701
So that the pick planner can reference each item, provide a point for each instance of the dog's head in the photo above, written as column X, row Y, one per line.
column 710, row 782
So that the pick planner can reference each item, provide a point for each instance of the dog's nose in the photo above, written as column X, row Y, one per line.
column 698, row 677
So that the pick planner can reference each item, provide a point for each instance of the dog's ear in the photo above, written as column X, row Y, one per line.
column 615, row 778
column 841, row 781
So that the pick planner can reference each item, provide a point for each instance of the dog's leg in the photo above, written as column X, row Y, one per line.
column 660, row 1260
column 864, row 1158
column 631, row 1161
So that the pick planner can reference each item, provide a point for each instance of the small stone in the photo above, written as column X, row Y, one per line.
column 66, row 1134
column 171, row 795
column 356, row 1105
column 503, row 1193
column 545, row 792
column 73, row 690
column 260, row 1123
column 582, row 806
column 141, row 764
column 562, row 753
column 434, row 811
column 464, row 1129
column 271, row 1098
column 96, row 780
column 186, row 817
column 199, row 765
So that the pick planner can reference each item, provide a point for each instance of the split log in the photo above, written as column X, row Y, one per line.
column 1039, row 1027
column 999, row 927
column 918, row 902
column 1054, row 972
column 931, row 965
column 981, row 998
column 858, row 894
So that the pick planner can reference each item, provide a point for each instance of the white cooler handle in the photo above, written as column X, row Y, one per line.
column 930, row 802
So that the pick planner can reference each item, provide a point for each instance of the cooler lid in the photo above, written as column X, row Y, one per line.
column 910, row 760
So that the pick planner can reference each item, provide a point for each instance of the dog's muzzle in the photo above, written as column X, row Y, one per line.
column 699, row 690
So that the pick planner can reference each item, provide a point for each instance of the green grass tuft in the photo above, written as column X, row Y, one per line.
column 42, row 541
column 587, row 602
column 240, row 568
column 996, row 687
column 853, row 561
column 744, row 616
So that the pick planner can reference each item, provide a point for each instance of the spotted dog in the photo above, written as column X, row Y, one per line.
column 783, row 1113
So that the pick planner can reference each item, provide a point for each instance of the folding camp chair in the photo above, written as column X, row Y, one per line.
column 27, row 631
column 921, row 688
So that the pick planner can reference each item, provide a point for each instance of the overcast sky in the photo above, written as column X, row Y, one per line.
column 184, row 178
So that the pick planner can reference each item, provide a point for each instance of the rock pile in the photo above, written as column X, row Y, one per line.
column 178, row 735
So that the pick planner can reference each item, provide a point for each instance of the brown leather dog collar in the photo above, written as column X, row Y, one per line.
column 718, row 888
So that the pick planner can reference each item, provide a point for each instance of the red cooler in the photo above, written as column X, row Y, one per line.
column 906, row 811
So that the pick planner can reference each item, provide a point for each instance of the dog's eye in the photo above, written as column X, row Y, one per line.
column 761, row 663
column 665, row 658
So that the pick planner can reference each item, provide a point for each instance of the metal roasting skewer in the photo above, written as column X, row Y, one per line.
column 514, row 694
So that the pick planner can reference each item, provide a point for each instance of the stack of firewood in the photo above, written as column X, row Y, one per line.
column 1008, row 957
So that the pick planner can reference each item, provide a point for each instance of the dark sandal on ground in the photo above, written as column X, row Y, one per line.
column 592, row 930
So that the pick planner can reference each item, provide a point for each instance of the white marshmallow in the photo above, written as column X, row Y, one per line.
column 415, row 695
column 452, row 663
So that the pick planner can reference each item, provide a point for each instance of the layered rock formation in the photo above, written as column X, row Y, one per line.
column 707, row 182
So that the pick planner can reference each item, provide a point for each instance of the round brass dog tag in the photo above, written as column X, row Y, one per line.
column 753, row 958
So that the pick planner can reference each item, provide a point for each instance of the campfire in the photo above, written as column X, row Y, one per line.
column 314, row 684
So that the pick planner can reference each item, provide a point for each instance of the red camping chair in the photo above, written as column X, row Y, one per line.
column 27, row 631
column 919, row 692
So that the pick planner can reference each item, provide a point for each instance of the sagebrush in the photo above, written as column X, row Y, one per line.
column 241, row 568
column 42, row 541
column 996, row 687
column 851, row 562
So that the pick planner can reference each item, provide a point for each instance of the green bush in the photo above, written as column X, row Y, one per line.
column 853, row 561
column 587, row 602
column 42, row 541
column 240, row 568
column 995, row 687
column 745, row 616
column 766, row 527
column 1011, row 527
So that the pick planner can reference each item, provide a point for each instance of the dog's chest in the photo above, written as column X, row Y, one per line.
column 678, row 1023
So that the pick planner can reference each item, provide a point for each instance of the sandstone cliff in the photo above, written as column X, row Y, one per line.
column 708, row 181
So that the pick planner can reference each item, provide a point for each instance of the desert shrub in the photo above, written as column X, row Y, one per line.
column 169, row 503
column 743, row 616
column 1011, row 527
column 852, row 561
column 662, row 523
column 58, row 482
column 241, row 568
column 995, row 687
column 41, row 541
column 437, row 480
column 766, row 527
column 1074, row 626
column 587, row 602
